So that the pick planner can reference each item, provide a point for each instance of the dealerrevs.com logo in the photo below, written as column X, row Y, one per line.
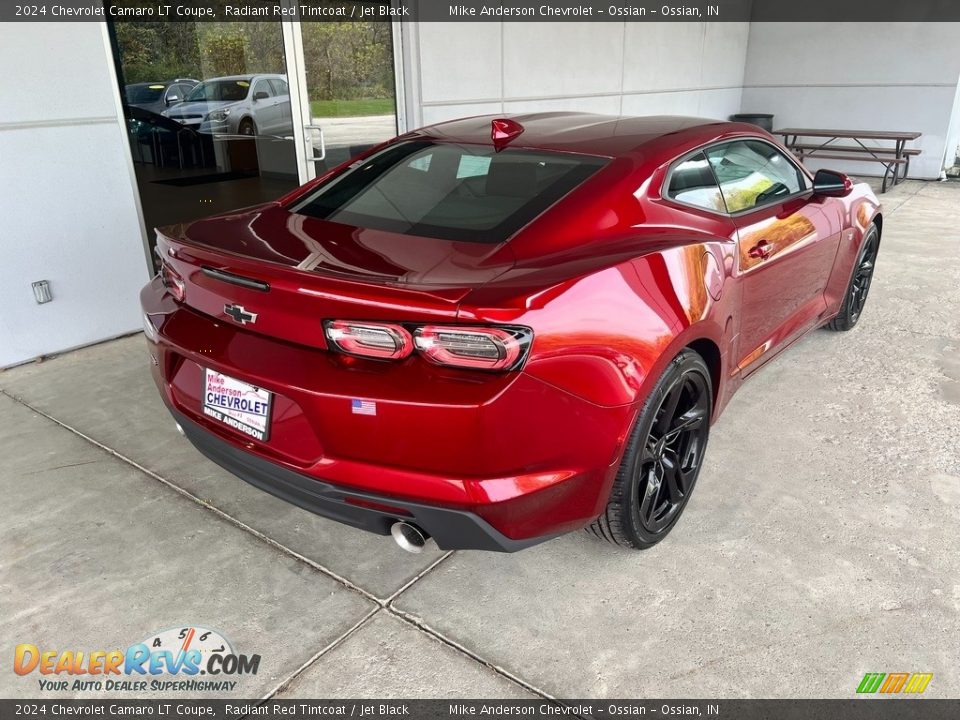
column 183, row 659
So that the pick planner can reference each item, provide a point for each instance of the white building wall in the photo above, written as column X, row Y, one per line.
column 459, row 69
column 874, row 76
column 69, row 205
column 952, row 151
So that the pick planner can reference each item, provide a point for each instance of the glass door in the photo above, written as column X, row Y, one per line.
column 346, row 96
column 224, row 115
column 209, row 116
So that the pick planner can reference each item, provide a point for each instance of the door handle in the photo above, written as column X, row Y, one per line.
column 323, row 144
column 761, row 250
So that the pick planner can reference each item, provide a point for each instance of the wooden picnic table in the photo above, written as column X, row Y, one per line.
column 892, row 158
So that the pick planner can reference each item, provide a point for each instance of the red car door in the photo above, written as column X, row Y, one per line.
column 786, row 246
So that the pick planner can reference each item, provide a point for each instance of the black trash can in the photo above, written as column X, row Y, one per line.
column 764, row 120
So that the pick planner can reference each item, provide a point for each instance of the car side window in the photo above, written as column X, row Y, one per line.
column 279, row 86
column 692, row 183
column 752, row 173
column 263, row 86
column 178, row 92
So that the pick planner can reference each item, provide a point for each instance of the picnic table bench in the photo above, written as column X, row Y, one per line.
column 892, row 158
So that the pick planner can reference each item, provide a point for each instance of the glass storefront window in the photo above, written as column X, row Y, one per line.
column 210, row 121
column 208, row 116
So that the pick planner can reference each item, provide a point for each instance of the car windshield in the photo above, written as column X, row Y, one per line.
column 144, row 93
column 449, row 191
column 228, row 90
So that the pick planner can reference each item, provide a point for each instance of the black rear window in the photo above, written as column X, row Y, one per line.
column 225, row 90
column 144, row 93
column 449, row 191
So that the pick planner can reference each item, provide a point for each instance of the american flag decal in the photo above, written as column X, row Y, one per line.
column 363, row 407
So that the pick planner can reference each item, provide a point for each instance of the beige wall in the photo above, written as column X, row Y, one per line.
column 69, row 203
column 875, row 76
column 458, row 69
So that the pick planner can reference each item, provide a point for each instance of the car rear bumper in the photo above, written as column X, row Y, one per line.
column 450, row 528
column 494, row 462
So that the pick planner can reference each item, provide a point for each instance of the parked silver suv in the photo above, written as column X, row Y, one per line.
column 237, row 105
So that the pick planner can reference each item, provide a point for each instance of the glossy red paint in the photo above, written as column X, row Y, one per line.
column 613, row 281
column 503, row 130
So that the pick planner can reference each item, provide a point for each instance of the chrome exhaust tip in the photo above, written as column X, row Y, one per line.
column 180, row 429
column 409, row 537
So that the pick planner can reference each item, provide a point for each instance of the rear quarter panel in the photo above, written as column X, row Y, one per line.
column 615, row 283
column 607, row 334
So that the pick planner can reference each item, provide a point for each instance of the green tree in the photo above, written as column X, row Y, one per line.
column 157, row 50
column 264, row 47
column 347, row 60
column 224, row 52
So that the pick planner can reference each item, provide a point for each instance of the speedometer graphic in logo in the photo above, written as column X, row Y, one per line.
column 181, row 640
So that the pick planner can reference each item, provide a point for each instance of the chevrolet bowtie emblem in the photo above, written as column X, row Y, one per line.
column 240, row 314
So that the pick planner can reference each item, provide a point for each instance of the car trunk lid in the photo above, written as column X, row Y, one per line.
column 292, row 271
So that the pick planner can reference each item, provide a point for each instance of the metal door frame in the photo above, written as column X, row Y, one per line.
column 299, row 96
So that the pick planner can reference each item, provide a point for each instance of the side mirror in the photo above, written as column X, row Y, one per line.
column 171, row 99
column 260, row 95
column 831, row 183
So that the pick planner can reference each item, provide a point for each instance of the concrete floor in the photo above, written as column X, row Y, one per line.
column 821, row 543
column 347, row 131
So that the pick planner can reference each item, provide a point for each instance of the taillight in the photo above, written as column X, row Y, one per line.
column 475, row 347
column 172, row 281
column 386, row 341
column 485, row 348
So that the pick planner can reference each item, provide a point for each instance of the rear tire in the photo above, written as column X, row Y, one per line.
column 663, row 457
column 856, row 296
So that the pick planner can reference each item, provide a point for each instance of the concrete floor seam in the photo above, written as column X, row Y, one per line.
column 904, row 201
column 204, row 504
column 283, row 685
column 413, row 581
column 440, row 637
column 920, row 333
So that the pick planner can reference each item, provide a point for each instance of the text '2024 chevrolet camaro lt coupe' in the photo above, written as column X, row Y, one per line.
column 493, row 331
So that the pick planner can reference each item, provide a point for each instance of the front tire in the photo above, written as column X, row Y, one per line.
column 856, row 296
column 248, row 127
column 662, row 459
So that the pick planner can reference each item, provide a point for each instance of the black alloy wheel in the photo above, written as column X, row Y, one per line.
column 862, row 277
column 856, row 297
column 673, row 451
column 662, row 459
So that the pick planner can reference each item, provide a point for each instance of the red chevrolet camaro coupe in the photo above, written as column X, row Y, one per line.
column 495, row 330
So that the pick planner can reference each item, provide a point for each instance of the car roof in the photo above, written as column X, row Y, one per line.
column 248, row 76
column 593, row 134
column 231, row 77
column 148, row 84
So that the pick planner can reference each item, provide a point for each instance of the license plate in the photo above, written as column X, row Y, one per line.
column 242, row 406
